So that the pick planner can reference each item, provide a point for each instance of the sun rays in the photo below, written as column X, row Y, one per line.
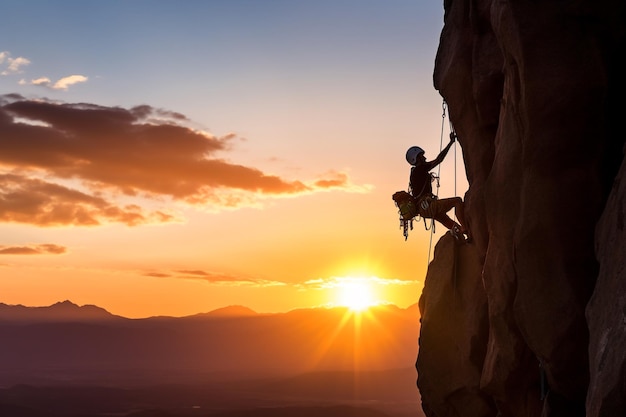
column 356, row 293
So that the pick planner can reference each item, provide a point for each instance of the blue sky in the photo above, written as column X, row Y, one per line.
column 253, row 67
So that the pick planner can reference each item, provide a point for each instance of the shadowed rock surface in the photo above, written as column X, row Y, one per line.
column 454, row 330
column 535, row 92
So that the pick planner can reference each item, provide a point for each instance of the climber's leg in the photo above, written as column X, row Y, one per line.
column 447, row 221
column 446, row 204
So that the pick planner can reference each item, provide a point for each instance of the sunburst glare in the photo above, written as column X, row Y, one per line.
column 356, row 293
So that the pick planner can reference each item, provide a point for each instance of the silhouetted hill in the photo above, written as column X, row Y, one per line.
column 61, row 311
column 229, row 311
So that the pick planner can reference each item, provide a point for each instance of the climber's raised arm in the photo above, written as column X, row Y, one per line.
column 439, row 159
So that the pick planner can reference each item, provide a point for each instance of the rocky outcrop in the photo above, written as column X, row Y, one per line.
column 454, row 330
column 535, row 93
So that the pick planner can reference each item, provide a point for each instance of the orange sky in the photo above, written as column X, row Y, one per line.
column 249, row 167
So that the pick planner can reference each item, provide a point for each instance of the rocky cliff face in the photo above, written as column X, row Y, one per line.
column 535, row 90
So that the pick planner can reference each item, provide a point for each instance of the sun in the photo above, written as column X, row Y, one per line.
column 355, row 293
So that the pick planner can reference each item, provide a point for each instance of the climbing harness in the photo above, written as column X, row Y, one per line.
column 426, row 200
column 411, row 208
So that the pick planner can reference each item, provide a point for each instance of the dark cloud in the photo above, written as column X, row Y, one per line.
column 147, row 112
column 43, row 249
column 142, row 151
column 34, row 201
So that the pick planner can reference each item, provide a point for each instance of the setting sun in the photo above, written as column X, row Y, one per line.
column 355, row 293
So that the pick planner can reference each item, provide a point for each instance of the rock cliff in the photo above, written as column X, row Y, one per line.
column 531, row 321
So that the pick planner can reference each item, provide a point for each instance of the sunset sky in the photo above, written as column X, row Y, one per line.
column 174, row 157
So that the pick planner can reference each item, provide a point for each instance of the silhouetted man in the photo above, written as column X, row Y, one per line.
column 420, row 185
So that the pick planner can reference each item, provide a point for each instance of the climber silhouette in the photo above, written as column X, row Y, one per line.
column 429, row 205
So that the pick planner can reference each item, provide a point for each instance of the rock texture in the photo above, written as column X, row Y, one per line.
column 535, row 91
column 606, row 311
column 453, row 333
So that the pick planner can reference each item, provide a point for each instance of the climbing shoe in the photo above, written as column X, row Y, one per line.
column 456, row 233
column 460, row 236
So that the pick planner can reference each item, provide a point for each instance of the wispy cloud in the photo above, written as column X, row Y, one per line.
column 41, row 249
column 214, row 278
column 60, row 84
column 335, row 179
column 336, row 282
column 140, row 152
column 157, row 274
column 10, row 65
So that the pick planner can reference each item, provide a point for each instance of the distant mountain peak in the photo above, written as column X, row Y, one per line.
column 60, row 311
column 66, row 303
column 230, row 311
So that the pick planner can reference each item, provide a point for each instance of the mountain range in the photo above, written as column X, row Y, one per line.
column 94, row 362
column 65, row 340
column 69, row 311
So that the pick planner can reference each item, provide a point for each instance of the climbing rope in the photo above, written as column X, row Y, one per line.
column 444, row 113
column 454, row 133
column 455, row 270
column 432, row 221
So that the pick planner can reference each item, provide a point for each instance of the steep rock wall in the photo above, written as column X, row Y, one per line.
column 535, row 91
column 453, row 311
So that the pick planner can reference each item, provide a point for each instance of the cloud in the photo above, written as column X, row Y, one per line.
column 41, row 203
column 339, row 180
column 215, row 278
column 42, row 249
column 65, row 82
column 142, row 152
column 335, row 282
column 61, row 84
column 10, row 65
column 157, row 275
column 225, row 279
column 45, row 81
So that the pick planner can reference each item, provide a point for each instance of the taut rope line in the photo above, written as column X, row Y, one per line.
column 432, row 224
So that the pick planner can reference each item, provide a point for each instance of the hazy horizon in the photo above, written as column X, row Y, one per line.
column 54, row 357
column 225, row 308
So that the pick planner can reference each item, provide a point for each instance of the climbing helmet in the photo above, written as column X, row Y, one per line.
column 413, row 153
